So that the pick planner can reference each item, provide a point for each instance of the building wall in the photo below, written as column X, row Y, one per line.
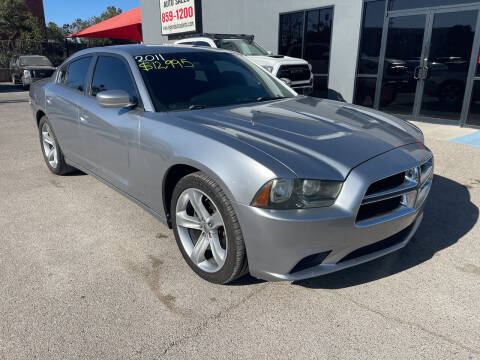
column 261, row 18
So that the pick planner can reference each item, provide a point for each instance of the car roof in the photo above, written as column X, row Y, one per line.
column 141, row 49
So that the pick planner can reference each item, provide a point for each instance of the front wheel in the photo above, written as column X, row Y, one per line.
column 207, row 230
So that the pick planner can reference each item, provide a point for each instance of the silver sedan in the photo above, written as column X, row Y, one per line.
column 250, row 176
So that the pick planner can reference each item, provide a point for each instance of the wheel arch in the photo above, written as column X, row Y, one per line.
column 38, row 116
column 179, row 169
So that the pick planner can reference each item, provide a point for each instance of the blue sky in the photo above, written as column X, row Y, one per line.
column 64, row 12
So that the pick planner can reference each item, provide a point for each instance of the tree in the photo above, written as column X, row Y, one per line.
column 56, row 33
column 17, row 22
column 107, row 14
column 23, row 31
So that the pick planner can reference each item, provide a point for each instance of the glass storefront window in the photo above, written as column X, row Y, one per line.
column 291, row 34
column 369, row 52
column 477, row 71
column 318, row 33
column 474, row 115
column 402, row 57
column 365, row 91
column 416, row 4
column 371, row 37
column 307, row 34
column 449, row 61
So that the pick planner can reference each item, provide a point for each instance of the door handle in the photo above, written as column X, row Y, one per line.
column 49, row 99
column 416, row 73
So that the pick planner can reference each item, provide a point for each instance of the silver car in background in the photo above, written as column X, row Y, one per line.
column 250, row 176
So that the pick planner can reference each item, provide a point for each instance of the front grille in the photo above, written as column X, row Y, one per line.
column 379, row 208
column 294, row 72
column 42, row 73
column 386, row 184
column 384, row 197
column 378, row 246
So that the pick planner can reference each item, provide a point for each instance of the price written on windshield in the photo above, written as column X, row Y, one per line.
column 158, row 62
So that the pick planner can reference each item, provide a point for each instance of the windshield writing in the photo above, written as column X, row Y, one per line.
column 201, row 79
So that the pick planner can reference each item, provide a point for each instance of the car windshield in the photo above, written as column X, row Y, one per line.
column 245, row 47
column 34, row 61
column 199, row 79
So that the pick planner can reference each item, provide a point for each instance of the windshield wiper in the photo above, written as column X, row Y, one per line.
column 261, row 98
column 196, row 107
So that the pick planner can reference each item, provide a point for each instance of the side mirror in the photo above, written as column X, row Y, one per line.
column 269, row 52
column 114, row 99
column 287, row 82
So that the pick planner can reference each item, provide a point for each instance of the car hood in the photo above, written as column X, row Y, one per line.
column 312, row 137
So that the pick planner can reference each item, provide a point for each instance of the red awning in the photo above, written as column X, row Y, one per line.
column 127, row 26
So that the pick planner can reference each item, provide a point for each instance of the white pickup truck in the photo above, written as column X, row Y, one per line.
column 297, row 73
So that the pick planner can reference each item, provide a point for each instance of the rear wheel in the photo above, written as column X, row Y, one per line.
column 207, row 230
column 51, row 151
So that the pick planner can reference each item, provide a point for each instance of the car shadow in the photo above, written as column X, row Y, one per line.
column 76, row 172
column 246, row 280
column 449, row 215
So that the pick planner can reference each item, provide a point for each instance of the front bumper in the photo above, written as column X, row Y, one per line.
column 28, row 80
column 278, row 240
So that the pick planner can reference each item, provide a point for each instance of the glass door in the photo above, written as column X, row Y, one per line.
column 401, row 60
column 424, row 63
column 446, row 64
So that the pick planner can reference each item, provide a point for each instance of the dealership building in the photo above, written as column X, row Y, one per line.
column 415, row 58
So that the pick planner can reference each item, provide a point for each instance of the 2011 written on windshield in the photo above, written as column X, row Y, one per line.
column 158, row 62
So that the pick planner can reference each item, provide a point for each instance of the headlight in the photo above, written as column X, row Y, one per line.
column 297, row 194
column 310, row 66
column 268, row 68
column 26, row 73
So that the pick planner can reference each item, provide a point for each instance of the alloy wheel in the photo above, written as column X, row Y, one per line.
column 49, row 146
column 201, row 230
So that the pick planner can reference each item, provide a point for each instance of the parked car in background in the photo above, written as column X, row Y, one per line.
column 249, row 175
column 25, row 69
column 297, row 73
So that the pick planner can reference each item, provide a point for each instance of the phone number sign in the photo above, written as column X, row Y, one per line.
column 178, row 16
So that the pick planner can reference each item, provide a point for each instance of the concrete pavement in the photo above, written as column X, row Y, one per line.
column 85, row 273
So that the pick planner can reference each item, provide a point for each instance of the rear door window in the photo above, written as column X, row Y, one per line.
column 111, row 73
column 74, row 75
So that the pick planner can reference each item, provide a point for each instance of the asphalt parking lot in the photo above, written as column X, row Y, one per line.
column 86, row 273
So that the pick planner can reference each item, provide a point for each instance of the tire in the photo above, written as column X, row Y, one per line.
column 55, row 160
column 228, row 235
